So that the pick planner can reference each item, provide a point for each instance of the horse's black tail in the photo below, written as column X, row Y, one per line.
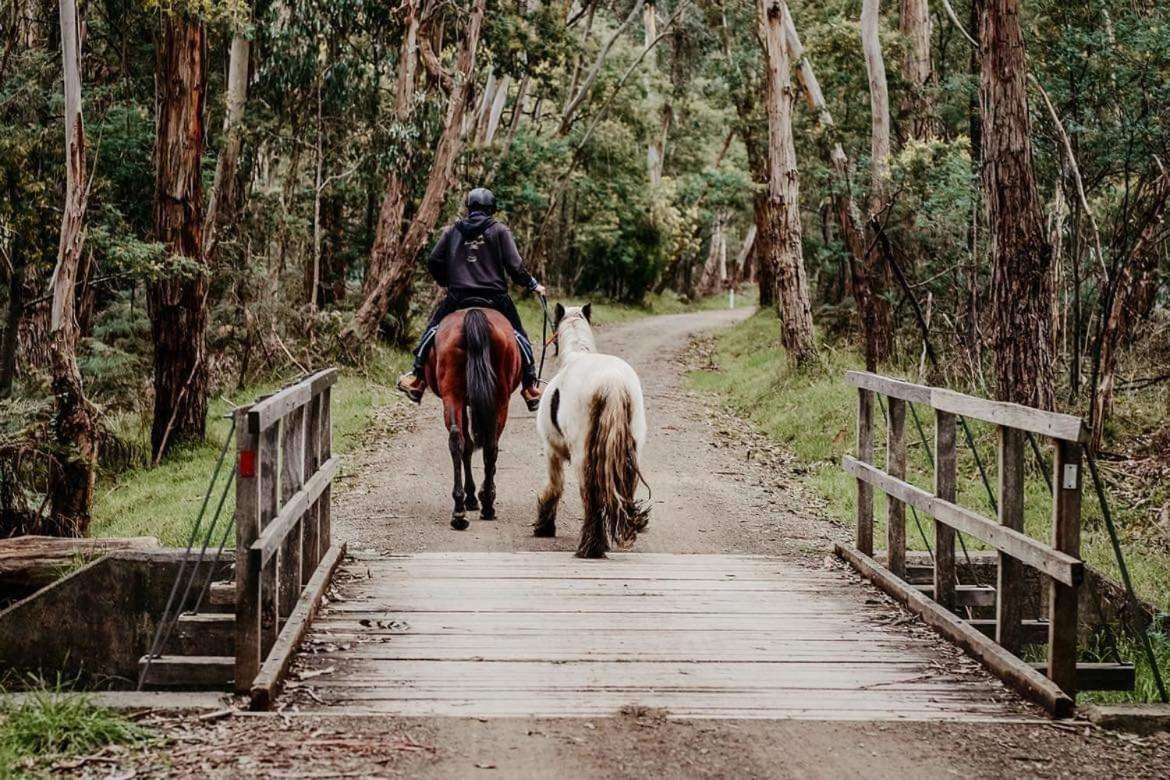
column 481, row 376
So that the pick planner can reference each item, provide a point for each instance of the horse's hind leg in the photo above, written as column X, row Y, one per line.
column 487, row 496
column 469, row 502
column 550, row 497
column 593, row 542
column 455, row 442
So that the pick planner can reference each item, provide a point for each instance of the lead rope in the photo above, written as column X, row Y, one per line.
column 543, row 338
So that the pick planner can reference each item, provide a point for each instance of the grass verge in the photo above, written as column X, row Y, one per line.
column 48, row 724
column 813, row 412
column 164, row 501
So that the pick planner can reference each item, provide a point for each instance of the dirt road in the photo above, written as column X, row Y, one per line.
column 708, row 496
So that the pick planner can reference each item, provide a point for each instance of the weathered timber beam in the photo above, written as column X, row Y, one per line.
column 265, row 688
column 1064, row 427
column 894, row 388
column 273, row 535
column 268, row 410
column 1059, row 566
column 1015, row 672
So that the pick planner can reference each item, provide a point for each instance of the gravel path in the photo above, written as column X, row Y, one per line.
column 708, row 496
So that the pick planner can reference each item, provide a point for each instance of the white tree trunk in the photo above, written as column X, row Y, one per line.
column 879, row 104
column 497, row 109
column 745, row 250
column 783, row 203
column 71, row 484
column 480, row 118
column 229, row 157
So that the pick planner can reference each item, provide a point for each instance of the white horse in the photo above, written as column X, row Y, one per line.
column 592, row 414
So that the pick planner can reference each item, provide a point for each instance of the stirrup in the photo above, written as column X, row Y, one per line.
column 532, row 403
column 410, row 391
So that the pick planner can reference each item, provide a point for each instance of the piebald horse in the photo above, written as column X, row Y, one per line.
column 474, row 368
column 592, row 414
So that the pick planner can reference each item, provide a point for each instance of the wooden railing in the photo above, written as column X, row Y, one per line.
column 1059, row 561
column 284, row 550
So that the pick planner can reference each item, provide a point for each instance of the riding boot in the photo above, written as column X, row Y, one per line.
column 531, row 395
column 414, row 383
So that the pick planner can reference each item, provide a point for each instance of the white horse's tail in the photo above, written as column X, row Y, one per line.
column 611, row 468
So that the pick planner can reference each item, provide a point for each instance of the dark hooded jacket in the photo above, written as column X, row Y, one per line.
column 474, row 255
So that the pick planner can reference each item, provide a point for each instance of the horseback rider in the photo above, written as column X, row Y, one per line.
column 470, row 261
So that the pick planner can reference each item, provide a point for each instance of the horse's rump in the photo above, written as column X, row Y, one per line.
column 610, row 470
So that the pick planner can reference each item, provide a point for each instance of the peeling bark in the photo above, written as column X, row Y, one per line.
column 870, row 274
column 388, row 233
column 782, row 219
column 74, row 427
column 1021, row 256
column 177, row 300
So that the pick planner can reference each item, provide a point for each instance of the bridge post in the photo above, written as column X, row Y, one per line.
column 324, row 510
column 269, row 460
column 944, row 488
column 247, row 530
column 896, row 467
column 865, row 455
column 292, row 478
column 1010, row 586
column 311, row 550
column 1066, row 537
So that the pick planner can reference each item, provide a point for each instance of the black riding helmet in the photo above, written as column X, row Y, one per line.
column 481, row 199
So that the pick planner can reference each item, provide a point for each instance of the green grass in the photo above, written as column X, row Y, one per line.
column 51, row 723
column 164, row 501
column 813, row 413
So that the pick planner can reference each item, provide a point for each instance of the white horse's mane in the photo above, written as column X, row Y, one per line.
column 574, row 332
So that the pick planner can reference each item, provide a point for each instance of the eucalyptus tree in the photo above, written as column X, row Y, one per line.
column 397, row 248
column 782, row 216
column 1021, row 254
column 74, row 427
column 177, row 298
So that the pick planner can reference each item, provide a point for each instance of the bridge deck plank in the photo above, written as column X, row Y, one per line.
column 544, row 634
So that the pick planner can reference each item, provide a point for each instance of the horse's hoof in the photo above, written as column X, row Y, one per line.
column 459, row 521
column 471, row 504
column 544, row 531
column 593, row 554
column 488, row 513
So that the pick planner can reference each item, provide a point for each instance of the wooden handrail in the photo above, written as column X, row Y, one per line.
column 1057, row 565
column 1059, row 560
column 1064, row 427
column 274, row 534
column 283, row 534
column 894, row 388
column 269, row 410
column 1054, row 425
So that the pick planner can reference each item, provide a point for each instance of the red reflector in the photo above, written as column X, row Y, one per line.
column 247, row 464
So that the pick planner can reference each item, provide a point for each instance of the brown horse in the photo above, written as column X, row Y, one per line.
column 474, row 368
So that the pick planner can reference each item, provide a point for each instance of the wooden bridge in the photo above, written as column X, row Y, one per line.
column 545, row 634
